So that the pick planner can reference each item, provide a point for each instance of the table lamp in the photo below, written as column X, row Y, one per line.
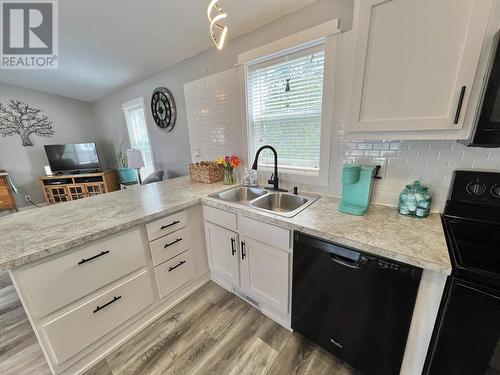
column 135, row 161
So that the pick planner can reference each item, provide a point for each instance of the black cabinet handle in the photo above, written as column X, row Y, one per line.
column 178, row 265
column 233, row 247
column 243, row 251
column 169, row 225
column 99, row 308
column 85, row 260
column 172, row 243
column 459, row 106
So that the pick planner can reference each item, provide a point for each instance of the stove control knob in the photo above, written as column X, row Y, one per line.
column 476, row 188
column 495, row 190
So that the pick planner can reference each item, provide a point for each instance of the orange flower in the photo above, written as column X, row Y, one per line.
column 235, row 161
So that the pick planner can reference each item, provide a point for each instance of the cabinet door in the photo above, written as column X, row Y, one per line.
column 265, row 273
column 76, row 192
column 95, row 189
column 222, row 245
column 57, row 194
column 6, row 199
column 414, row 63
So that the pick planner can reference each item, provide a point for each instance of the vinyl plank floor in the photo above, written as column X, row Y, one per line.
column 211, row 332
column 258, row 359
column 20, row 353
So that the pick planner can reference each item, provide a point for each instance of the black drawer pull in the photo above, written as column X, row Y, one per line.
column 233, row 247
column 459, row 105
column 174, row 267
column 169, row 225
column 95, row 256
column 99, row 308
column 172, row 243
column 243, row 251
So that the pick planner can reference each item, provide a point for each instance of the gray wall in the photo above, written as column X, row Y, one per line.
column 73, row 123
column 171, row 150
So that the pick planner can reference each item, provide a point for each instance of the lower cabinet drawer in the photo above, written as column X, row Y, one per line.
column 60, row 281
column 73, row 331
column 169, row 246
column 174, row 273
column 166, row 225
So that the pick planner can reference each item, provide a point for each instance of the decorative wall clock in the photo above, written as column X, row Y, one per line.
column 163, row 108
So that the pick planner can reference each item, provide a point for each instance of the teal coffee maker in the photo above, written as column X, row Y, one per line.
column 357, row 183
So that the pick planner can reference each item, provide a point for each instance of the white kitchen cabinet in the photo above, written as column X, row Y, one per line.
column 265, row 273
column 84, row 302
column 78, row 328
column 414, row 63
column 252, row 259
column 222, row 246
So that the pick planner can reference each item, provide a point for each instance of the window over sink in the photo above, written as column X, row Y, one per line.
column 285, row 97
column 289, row 90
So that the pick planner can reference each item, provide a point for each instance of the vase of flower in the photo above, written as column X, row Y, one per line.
column 229, row 177
column 229, row 163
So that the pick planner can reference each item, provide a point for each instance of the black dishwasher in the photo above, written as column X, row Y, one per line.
column 355, row 305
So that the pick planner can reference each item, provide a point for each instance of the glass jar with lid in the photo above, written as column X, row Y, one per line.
column 415, row 200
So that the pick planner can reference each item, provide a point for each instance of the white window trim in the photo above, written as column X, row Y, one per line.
column 136, row 103
column 326, row 34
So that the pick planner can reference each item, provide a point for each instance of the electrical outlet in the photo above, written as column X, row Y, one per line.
column 27, row 198
column 374, row 161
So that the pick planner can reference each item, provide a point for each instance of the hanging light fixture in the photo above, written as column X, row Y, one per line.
column 218, row 31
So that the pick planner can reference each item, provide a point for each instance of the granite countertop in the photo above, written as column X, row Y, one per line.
column 382, row 231
column 34, row 234
column 37, row 233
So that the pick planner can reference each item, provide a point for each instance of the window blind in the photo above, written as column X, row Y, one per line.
column 139, row 137
column 285, row 97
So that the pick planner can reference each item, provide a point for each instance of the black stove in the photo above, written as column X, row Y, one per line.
column 467, row 331
column 471, row 222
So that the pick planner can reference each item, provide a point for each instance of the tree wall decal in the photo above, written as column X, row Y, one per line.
column 19, row 118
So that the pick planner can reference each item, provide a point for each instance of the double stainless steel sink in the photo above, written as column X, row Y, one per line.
column 276, row 202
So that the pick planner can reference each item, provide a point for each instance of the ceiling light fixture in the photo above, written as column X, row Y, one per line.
column 215, row 25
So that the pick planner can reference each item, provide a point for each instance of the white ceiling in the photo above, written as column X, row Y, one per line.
column 105, row 45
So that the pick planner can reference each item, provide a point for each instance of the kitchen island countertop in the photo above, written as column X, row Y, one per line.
column 37, row 233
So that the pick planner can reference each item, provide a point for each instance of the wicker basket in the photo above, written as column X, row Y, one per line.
column 206, row 172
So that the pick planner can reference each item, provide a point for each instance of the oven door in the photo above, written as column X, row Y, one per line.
column 475, row 250
column 467, row 333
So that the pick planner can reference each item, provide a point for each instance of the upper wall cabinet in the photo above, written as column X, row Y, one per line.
column 414, row 63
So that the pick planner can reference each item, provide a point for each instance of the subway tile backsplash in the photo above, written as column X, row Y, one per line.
column 215, row 128
column 432, row 162
column 213, row 106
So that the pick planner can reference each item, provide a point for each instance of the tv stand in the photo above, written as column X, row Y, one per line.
column 63, row 188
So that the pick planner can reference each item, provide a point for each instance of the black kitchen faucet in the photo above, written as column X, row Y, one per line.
column 274, row 177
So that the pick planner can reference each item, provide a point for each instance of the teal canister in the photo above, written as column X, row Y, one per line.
column 415, row 200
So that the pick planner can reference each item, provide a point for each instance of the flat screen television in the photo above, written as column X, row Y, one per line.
column 73, row 158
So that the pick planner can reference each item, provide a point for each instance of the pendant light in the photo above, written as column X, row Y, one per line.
column 215, row 15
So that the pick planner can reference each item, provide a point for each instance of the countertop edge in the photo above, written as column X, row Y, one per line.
column 282, row 222
column 270, row 218
column 22, row 260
